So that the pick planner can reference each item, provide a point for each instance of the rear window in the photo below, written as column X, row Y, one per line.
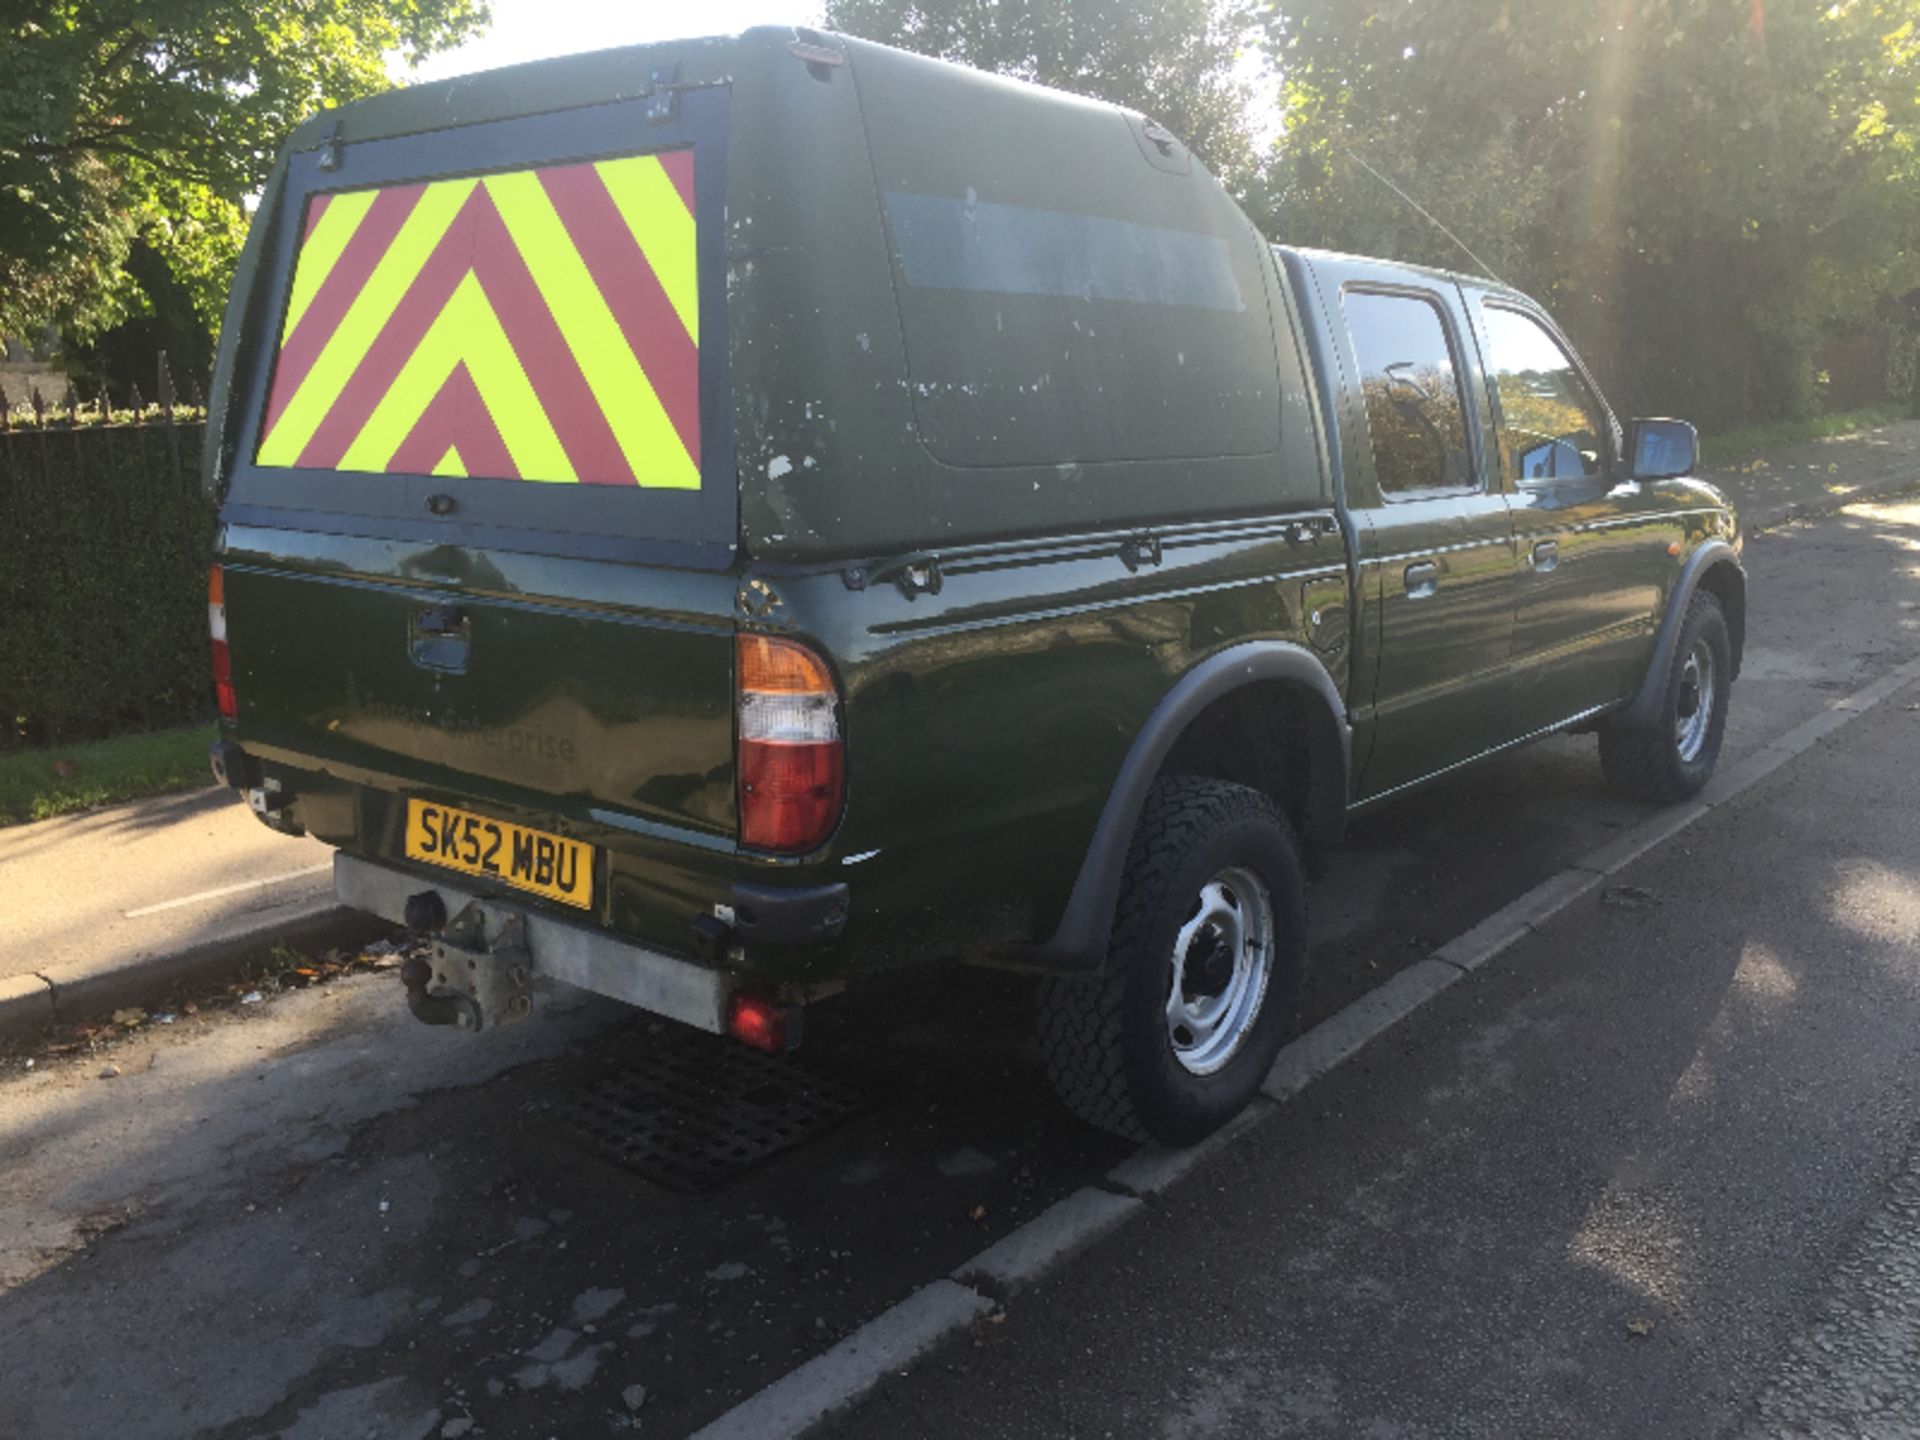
column 1067, row 294
column 492, row 335
column 538, row 324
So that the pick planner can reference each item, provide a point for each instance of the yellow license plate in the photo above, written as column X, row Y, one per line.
column 549, row 865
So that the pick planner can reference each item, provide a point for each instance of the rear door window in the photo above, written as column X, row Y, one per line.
column 1416, row 414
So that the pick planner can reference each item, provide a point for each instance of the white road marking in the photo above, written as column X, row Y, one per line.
column 227, row 890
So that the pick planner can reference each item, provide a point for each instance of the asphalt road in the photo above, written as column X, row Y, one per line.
column 1693, row 1111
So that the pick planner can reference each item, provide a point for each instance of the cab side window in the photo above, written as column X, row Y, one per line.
column 1551, row 426
column 1416, row 415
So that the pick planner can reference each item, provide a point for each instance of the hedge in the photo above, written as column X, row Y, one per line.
column 105, row 540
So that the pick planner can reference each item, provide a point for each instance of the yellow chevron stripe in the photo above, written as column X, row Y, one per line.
column 651, row 205
column 621, row 388
column 451, row 464
column 322, row 250
column 348, row 346
column 467, row 330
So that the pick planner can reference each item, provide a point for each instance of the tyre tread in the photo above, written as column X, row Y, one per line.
column 1082, row 1022
column 1639, row 762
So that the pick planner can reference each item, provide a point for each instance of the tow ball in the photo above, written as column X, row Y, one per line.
column 478, row 974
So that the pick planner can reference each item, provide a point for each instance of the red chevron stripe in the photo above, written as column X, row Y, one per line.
column 546, row 357
column 336, row 295
column 627, row 283
column 452, row 258
column 455, row 417
column 316, row 207
column 679, row 167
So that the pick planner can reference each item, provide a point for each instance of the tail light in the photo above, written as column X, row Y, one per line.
column 222, row 660
column 792, row 761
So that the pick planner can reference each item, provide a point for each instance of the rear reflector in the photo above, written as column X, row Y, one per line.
column 222, row 659
column 791, row 759
column 762, row 1024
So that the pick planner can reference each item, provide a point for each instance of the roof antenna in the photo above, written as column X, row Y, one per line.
column 1423, row 212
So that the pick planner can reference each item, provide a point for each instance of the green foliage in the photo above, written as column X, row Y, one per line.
column 40, row 784
column 1190, row 64
column 103, row 574
column 157, row 118
column 1700, row 188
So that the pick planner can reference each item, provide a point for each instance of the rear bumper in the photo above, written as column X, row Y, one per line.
column 580, row 955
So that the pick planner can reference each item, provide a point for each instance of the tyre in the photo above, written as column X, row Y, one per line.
column 1672, row 758
column 1203, row 968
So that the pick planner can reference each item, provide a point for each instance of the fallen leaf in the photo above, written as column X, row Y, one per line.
column 978, row 1212
column 1640, row 1328
column 130, row 1017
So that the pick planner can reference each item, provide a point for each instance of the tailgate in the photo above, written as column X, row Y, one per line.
column 545, row 704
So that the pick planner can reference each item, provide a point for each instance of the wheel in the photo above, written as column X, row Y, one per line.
column 1203, row 968
column 1673, row 757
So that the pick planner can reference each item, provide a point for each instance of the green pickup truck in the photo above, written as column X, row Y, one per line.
column 709, row 521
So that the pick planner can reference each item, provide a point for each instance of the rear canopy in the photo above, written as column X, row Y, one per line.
column 929, row 307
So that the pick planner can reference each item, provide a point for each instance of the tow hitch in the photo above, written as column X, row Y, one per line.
column 471, row 978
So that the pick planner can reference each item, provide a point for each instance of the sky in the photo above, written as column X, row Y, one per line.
column 539, row 29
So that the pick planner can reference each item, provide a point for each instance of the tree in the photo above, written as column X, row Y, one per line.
column 1699, row 187
column 154, row 120
column 1190, row 64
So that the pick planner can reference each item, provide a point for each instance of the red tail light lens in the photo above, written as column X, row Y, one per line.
column 791, row 759
column 222, row 659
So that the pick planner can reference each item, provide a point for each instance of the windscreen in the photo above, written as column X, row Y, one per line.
column 539, row 324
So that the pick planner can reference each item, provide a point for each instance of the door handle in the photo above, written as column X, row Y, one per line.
column 1546, row 556
column 439, row 638
column 442, row 620
column 1423, row 578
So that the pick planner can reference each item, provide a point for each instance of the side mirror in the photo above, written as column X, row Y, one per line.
column 1663, row 449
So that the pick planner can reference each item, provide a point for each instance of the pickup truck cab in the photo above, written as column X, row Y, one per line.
column 709, row 521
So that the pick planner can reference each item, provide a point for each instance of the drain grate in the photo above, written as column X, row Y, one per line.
column 697, row 1109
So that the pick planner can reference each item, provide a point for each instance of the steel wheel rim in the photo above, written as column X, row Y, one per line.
column 1694, row 713
column 1222, row 961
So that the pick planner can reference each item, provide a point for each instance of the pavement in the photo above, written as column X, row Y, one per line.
column 111, row 907
column 188, row 888
column 1639, row 1159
